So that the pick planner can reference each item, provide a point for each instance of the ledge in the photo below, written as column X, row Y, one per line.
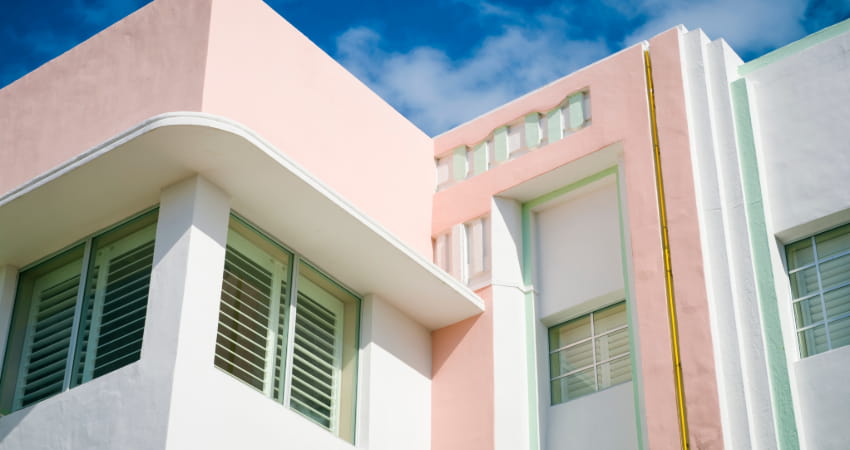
column 125, row 175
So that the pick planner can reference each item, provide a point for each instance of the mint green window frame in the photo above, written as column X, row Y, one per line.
column 80, row 314
column 288, row 330
column 819, row 272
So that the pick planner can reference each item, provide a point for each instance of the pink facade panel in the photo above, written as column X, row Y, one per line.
column 462, row 410
column 697, row 352
column 265, row 74
column 149, row 63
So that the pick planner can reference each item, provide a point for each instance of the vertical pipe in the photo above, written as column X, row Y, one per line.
column 668, row 270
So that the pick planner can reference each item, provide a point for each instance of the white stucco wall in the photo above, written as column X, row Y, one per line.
column 510, row 368
column 395, row 381
column 601, row 421
column 578, row 249
column 800, row 105
column 175, row 398
column 579, row 269
column 742, row 377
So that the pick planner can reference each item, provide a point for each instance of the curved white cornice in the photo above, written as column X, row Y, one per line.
column 125, row 174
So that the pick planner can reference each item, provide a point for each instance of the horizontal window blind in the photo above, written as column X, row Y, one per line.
column 44, row 358
column 317, row 354
column 295, row 344
column 251, row 316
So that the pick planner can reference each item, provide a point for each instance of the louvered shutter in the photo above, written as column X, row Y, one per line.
column 44, row 359
column 317, row 355
column 116, row 305
column 250, row 341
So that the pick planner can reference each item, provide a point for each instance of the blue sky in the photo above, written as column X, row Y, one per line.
column 442, row 62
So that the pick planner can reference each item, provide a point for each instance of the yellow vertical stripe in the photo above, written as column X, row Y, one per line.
column 668, row 271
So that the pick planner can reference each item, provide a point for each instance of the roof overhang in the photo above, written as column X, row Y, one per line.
column 126, row 174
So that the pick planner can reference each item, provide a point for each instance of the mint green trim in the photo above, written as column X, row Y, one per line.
column 795, row 47
column 627, row 285
column 500, row 144
column 553, row 125
column 559, row 192
column 780, row 386
column 528, row 271
column 479, row 158
column 459, row 163
column 576, row 102
column 532, row 130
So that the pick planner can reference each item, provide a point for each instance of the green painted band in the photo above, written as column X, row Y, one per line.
column 794, row 47
column 780, row 386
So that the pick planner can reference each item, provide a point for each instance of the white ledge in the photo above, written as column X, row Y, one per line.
column 125, row 175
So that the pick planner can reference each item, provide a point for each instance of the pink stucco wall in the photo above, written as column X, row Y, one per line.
column 619, row 114
column 265, row 74
column 149, row 63
column 462, row 389
column 698, row 369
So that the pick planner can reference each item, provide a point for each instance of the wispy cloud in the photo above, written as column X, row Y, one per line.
column 437, row 92
column 750, row 26
column 526, row 50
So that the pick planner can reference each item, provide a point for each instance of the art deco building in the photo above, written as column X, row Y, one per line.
column 212, row 236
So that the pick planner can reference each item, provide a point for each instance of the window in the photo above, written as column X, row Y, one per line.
column 589, row 353
column 300, row 350
column 79, row 315
column 819, row 270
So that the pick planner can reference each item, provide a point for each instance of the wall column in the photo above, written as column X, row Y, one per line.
column 185, row 284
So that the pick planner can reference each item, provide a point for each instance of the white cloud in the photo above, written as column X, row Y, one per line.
column 748, row 25
column 436, row 92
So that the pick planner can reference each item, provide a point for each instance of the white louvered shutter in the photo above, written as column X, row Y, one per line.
column 317, row 355
column 117, row 299
column 250, row 342
column 47, row 340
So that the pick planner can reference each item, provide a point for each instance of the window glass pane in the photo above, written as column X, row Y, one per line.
column 572, row 331
column 612, row 345
column 571, row 358
column 609, row 318
column 808, row 311
column 322, row 370
column 573, row 386
column 833, row 242
column 800, row 254
column 251, row 328
column 839, row 332
column 614, row 372
column 42, row 330
column 835, row 272
column 837, row 303
column 116, row 299
column 585, row 358
column 812, row 341
column 804, row 282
